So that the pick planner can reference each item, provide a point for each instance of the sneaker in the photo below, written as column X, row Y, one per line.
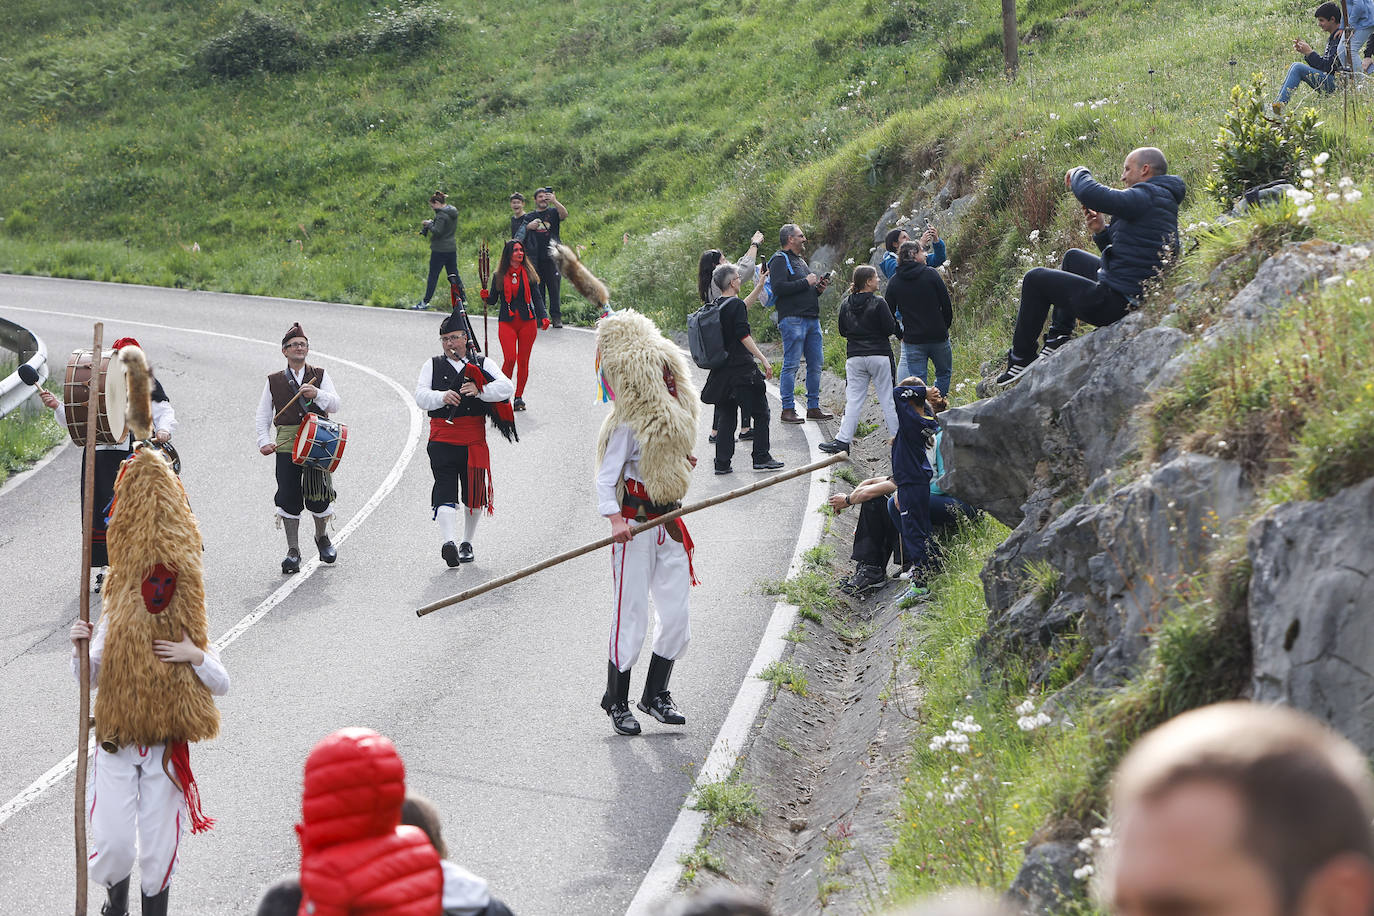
column 556, row 323
column 865, row 577
column 746, row 434
column 915, row 593
column 1052, row 344
column 420, row 307
column 1015, row 367
column 725, row 470
column 768, row 464
column 834, row 447
column 711, row 438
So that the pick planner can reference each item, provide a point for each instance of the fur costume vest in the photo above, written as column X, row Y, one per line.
column 654, row 396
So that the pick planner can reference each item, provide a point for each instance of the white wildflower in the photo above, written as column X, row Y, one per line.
column 1026, row 708
column 1307, row 173
column 1320, row 158
column 927, row 173
column 1084, row 873
column 1333, row 196
column 1299, row 197
column 1079, row 104
column 1365, row 300
column 1346, row 182
column 1353, row 195
column 1332, row 281
column 849, row 260
column 1054, row 116
column 1086, row 845
column 1359, row 251
column 1035, row 235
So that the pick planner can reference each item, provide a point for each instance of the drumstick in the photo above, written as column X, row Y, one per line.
column 298, row 393
column 29, row 375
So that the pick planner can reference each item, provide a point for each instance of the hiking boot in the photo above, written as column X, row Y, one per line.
column 1015, row 368
column 818, row 413
column 865, row 577
column 767, row 464
column 1052, row 344
column 789, row 415
column 834, row 447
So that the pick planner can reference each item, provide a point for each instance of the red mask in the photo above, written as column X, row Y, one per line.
column 670, row 381
column 158, row 587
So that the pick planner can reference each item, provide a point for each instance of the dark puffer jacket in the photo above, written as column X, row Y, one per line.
column 1144, row 226
column 867, row 325
column 355, row 855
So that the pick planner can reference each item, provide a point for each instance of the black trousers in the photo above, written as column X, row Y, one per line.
column 550, row 282
column 440, row 260
column 876, row 538
column 290, row 495
column 752, row 401
column 1071, row 294
column 107, row 462
column 449, row 465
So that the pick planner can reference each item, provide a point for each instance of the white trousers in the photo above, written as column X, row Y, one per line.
column 650, row 563
column 859, row 372
column 134, row 808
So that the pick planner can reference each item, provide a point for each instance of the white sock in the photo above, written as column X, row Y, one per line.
column 447, row 516
column 470, row 524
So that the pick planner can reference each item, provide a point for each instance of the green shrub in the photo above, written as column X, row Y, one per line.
column 1255, row 146
column 257, row 42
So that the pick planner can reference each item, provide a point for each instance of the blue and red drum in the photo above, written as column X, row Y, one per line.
column 319, row 443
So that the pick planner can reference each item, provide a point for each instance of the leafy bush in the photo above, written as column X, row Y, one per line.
column 258, row 42
column 1255, row 146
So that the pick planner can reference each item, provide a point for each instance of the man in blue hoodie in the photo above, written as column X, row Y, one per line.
column 1101, row 290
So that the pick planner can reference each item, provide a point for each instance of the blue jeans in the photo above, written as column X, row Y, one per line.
column 801, row 339
column 1302, row 73
column 915, row 357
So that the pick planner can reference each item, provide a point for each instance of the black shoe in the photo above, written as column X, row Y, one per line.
column 725, row 470
column 450, row 553
column 118, row 902
column 327, row 552
column 465, row 552
column 519, row 404
column 157, row 904
column 1015, row 368
column 557, row 323
column 657, row 701
column 1054, row 343
column 616, row 701
column 834, row 446
column 865, row 577
column 711, row 438
column 292, row 562
column 768, row 464
column 746, row 434
column 99, row 582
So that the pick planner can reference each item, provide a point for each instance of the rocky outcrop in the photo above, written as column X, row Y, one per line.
column 936, row 203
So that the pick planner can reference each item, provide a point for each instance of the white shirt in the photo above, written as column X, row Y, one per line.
column 327, row 400
column 620, row 461
column 211, row 670
column 164, row 419
column 498, row 389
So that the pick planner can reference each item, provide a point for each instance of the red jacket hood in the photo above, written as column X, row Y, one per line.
column 354, row 787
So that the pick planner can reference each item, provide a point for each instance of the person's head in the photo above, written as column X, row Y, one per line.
column 726, row 278
column 295, row 346
column 720, row 899
column 865, row 279
column 910, row 251
column 438, row 199
column 791, row 238
column 1142, row 165
column 281, row 899
column 513, row 255
column 453, row 336
column 418, row 811
column 517, row 203
column 894, row 239
column 706, row 265
column 1328, row 17
column 1242, row 809
column 542, row 198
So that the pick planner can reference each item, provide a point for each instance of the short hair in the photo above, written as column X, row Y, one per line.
column 909, row 250
column 786, row 232
column 1148, row 155
column 724, row 275
column 1328, row 10
column 281, row 899
column 437, row 197
column 720, row 899
column 418, row 811
column 890, row 240
column 517, row 196
column 1305, row 792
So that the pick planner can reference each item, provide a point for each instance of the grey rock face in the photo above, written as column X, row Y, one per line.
column 1311, row 594
column 1046, row 878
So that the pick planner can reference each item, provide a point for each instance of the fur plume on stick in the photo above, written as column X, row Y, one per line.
column 592, row 289
column 139, row 386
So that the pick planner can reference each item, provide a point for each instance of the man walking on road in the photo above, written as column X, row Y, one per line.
column 797, row 297
column 286, row 398
column 460, row 389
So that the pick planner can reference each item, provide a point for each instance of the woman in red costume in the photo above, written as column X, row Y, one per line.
column 515, row 288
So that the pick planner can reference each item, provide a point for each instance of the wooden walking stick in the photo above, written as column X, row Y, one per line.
column 83, row 651
column 484, row 277
column 634, row 530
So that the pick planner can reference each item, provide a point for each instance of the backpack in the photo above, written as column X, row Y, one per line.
column 768, row 280
column 706, row 336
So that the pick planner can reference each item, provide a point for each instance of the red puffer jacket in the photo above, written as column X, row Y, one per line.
column 356, row 858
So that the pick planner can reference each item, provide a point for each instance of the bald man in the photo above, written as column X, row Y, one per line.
column 1101, row 290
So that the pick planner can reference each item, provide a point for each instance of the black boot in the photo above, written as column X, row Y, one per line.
column 657, row 701
column 616, row 701
column 292, row 562
column 118, row 904
column 157, row 905
column 327, row 552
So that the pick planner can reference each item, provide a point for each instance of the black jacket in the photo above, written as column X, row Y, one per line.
column 793, row 297
column 919, row 293
column 1144, row 227
column 867, row 325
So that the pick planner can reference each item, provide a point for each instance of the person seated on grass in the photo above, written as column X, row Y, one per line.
column 1316, row 70
column 1134, row 245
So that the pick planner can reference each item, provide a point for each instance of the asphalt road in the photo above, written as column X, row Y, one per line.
column 493, row 703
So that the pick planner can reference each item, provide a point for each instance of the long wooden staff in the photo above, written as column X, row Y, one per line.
column 83, row 651
column 484, row 277
column 316, row 383
column 634, row 530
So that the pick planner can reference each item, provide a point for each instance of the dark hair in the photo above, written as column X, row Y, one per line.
column 504, row 264
column 418, row 811
column 282, row 898
column 720, row 900
column 1328, row 11
column 890, row 240
column 517, row 196
column 724, row 275
column 909, row 250
column 438, row 197
column 862, row 274
column 710, row 259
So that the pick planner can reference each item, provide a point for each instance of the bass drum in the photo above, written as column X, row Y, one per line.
column 110, row 395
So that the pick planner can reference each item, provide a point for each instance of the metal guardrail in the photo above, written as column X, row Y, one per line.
column 31, row 350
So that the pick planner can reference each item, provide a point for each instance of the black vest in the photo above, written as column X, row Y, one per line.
column 446, row 378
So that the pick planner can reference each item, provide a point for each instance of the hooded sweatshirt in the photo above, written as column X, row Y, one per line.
column 918, row 294
column 867, row 325
column 1144, row 227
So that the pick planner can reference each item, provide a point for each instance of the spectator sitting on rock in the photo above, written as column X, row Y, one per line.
column 1100, row 291
column 1316, row 70
column 1239, row 808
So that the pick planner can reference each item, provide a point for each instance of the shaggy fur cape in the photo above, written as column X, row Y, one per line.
column 142, row 699
column 633, row 354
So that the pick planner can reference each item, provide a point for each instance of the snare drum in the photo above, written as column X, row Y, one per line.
column 111, row 397
column 320, row 443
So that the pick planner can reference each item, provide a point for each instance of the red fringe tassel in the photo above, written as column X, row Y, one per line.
column 180, row 755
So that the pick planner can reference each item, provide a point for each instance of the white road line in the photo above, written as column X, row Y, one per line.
column 59, row 772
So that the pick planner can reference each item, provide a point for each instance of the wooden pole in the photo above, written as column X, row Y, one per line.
column 83, row 651
column 634, row 530
column 1010, row 39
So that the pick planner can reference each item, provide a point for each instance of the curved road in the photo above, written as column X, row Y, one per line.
column 493, row 704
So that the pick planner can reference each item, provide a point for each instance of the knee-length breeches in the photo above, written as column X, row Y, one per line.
column 135, row 810
column 290, row 499
column 651, row 563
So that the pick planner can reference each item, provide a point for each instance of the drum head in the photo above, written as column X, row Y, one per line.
column 116, row 400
